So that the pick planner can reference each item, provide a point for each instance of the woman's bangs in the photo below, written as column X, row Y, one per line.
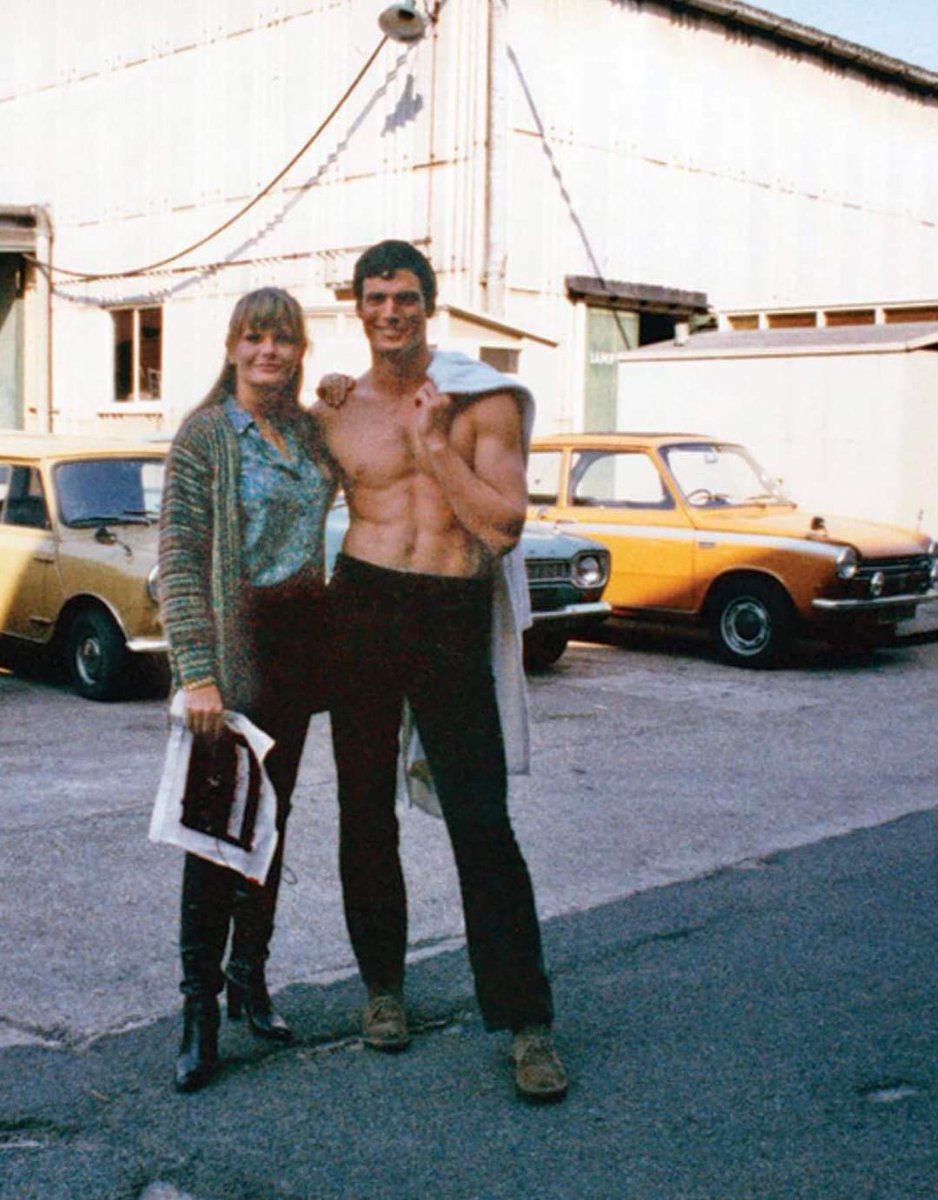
column 266, row 310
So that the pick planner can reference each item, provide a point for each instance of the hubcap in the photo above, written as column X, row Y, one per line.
column 746, row 626
column 89, row 659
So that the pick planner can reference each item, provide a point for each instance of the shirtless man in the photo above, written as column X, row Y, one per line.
column 436, row 494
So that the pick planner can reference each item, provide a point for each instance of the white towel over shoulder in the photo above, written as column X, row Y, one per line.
column 466, row 379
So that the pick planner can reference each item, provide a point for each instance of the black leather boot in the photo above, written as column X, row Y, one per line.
column 253, row 912
column 198, row 1052
column 250, row 995
column 207, row 891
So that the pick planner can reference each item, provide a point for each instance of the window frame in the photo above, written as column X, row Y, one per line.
column 135, row 391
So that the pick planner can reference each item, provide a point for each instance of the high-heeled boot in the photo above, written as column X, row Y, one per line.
column 253, row 926
column 207, row 891
column 198, row 1052
column 249, row 994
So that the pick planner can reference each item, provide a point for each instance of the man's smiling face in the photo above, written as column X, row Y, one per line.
column 394, row 313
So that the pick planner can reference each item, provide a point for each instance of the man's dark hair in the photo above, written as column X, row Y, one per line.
column 385, row 259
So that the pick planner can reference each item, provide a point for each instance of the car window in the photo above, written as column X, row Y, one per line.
column 544, row 476
column 109, row 490
column 711, row 476
column 4, row 481
column 23, row 502
column 617, row 479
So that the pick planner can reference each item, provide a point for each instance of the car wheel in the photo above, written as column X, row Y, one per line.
column 542, row 648
column 750, row 622
column 97, row 654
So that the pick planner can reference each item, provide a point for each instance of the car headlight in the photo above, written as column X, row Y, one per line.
column 933, row 555
column 847, row 563
column 153, row 585
column 589, row 570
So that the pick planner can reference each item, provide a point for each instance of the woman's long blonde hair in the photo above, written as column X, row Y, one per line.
column 264, row 308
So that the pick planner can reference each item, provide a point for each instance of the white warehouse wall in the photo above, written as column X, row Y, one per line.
column 645, row 144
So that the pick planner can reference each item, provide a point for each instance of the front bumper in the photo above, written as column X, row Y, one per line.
column 879, row 604
column 575, row 614
column 148, row 645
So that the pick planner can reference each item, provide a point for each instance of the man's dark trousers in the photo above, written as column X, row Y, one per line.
column 426, row 638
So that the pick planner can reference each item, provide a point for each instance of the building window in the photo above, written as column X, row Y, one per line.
column 916, row 313
column 743, row 321
column 792, row 320
column 138, row 353
column 850, row 316
column 502, row 358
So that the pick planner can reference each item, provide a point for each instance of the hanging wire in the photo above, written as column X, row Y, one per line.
column 562, row 187
column 163, row 262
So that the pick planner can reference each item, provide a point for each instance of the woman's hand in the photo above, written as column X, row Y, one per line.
column 334, row 389
column 205, row 713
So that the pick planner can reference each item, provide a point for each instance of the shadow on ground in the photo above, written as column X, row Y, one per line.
column 764, row 1033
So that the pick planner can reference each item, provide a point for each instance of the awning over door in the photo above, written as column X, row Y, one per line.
column 17, row 230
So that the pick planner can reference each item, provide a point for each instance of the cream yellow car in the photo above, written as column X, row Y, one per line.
column 78, row 553
column 698, row 531
column 78, row 561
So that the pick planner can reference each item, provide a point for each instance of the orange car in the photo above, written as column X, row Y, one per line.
column 698, row 531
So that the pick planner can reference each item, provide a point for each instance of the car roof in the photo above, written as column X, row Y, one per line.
column 610, row 440
column 37, row 446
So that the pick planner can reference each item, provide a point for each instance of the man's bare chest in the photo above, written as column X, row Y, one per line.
column 374, row 447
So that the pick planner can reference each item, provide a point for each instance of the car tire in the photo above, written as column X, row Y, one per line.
column 542, row 647
column 96, row 654
column 750, row 622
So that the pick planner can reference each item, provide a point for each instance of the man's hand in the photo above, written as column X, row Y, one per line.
column 205, row 713
column 483, row 478
column 435, row 414
column 334, row 389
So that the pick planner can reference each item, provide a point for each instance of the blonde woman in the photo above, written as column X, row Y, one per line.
column 247, row 490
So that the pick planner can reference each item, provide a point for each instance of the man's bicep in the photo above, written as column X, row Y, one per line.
column 499, row 449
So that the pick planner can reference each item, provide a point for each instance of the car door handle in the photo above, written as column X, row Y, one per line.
column 44, row 556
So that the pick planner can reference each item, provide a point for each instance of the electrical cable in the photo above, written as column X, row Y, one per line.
column 155, row 266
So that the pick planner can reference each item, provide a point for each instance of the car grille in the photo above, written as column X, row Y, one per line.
column 903, row 576
column 548, row 570
column 550, row 584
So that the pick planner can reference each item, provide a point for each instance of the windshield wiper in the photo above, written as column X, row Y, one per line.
column 765, row 498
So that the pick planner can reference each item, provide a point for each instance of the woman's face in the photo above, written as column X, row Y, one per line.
column 264, row 360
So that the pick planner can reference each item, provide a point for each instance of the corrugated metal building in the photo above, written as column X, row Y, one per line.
column 583, row 173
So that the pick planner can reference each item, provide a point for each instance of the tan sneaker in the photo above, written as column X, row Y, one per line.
column 539, row 1074
column 384, row 1023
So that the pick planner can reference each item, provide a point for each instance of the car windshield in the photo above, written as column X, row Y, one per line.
column 109, row 491
column 712, row 476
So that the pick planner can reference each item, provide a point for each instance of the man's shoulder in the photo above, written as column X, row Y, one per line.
column 486, row 409
column 458, row 374
column 360, row 392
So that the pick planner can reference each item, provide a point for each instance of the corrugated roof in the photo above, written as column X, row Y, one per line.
column 760, row 343
column 786, row 31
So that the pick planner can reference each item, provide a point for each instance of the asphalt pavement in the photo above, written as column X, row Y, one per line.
column 737, row 875
column 767, row 1032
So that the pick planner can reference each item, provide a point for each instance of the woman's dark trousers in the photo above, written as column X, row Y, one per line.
column 286, row 628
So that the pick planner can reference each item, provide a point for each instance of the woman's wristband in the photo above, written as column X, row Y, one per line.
column 198, row 683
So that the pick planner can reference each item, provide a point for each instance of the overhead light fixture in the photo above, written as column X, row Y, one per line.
column 402, row 23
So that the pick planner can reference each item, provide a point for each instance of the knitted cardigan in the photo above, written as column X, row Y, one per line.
column 201, row 570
